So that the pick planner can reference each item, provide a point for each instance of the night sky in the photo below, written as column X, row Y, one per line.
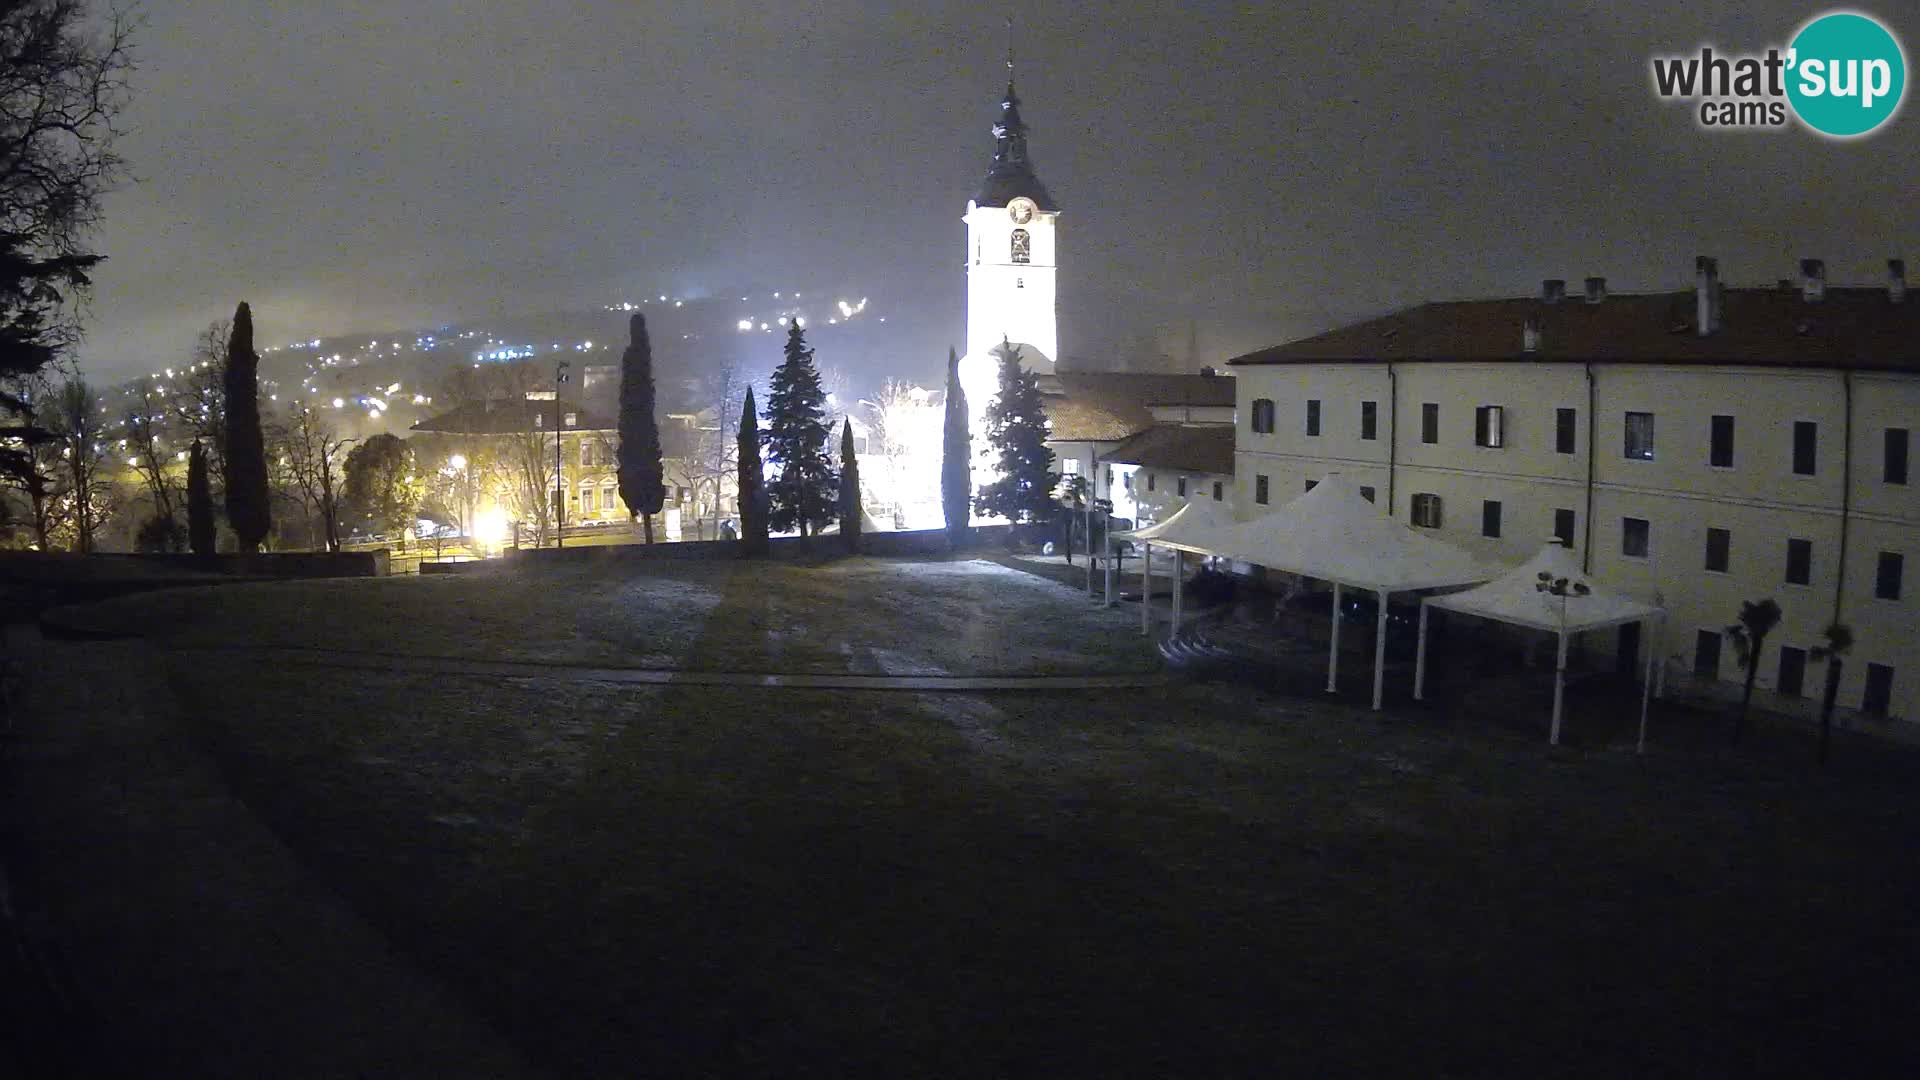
column 372, row 165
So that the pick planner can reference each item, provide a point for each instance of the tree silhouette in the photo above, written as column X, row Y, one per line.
column 1839, row 639
column 246, row 459
column 642, row 480
column 802, row 495
column 200, row 535
column 849, row 490
column 752, row 482
column 1749, row 635
column 1017, row 431
column 956, row 457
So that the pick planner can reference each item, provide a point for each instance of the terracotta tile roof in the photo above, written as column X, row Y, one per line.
column 511, row 417
column 1196, row 448
column 1857, row 328
column 1088, row 406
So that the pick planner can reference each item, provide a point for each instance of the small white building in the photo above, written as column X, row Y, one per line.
column 1697, row 448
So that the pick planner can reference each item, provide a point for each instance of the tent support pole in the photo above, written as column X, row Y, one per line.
column 1420, row 656
column 1646, row 691
column 1333, row 643
column 1179, row 566
column 1146, row 590
column 1559, row 685
column 1380, row 653
column 1109, row 546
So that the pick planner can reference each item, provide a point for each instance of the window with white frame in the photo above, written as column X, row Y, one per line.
column 1426, row 510
column 1490, row 426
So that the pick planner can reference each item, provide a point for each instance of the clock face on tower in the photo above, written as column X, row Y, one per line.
column 1021, row 210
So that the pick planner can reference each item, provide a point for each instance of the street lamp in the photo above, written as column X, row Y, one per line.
column 560, row 378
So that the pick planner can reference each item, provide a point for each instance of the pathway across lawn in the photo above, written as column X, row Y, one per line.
column 716, row 880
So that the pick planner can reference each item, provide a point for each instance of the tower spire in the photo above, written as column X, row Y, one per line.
column 1012, row 173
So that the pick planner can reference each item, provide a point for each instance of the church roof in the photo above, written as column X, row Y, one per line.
column 1108, row 406
column 1011, row 175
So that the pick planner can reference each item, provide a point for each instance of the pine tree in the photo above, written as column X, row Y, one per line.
column 956, row 457
column 849, row 490
column 1017, row 431
column 246, row 461
column 753, row 484
column 199, row 502
column 802, row 496
column 642, row 481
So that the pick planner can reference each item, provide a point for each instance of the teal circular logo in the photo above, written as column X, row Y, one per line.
column 1846, row 74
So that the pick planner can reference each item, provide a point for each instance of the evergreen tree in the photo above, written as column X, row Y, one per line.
column 246, row 459
column 1017, row 431
column 956, row 456
column 753, row 484
column 199, row 502
column 802, row 496
column 849, row 490
column 642, row 482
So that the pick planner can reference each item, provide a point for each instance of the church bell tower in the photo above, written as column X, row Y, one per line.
column 1012, row 255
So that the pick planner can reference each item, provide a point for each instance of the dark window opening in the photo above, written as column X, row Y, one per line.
column 1263, row 416
column 1634, row 537
column 1799, row 562
column 1369, row 420
column 1367, row 493
column 1490, row 519
column 1563, row 526
column 1426, row 510
column 1895, row 469
column 1490, row 426
column 1218, row 490
column 1720, row 443
column 1719, row 549
column 1022, row 246
column 1639, row 436
column 1878, row 699
column 1806, row 438
column 1260, row 490
column 1793, row 671
column 1430, row 422
column 1563, row 430
column 1313, row 417
column 1886, row 579
column 1706, row 654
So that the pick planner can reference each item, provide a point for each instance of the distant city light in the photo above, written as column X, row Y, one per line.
column 745, row 324
column 339, row 402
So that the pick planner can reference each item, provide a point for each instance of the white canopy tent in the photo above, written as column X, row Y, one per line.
column 1334, row 534
column 1516, row 597
column 1196, row 522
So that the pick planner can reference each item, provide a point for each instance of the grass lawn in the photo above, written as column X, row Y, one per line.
column 1200, row 880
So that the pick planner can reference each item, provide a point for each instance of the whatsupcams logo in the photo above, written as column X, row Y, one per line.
column 1843, row 75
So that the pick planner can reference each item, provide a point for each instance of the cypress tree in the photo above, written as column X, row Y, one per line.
column 849, row 490
column 752, row 483
column 199, row 503
column 642, row 482
column 802, row 497
column 956, row 455
column 1017, row 429
column 246, row 461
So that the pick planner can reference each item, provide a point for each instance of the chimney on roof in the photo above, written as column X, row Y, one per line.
column 1706, row 294
column 1596, row 289
column 1530, row 335
column 1813, row 280
column 1896, row 281
column 1553, row 290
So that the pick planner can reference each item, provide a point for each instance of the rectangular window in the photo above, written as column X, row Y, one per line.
column 1563, row 526
column 1219, row 490
column 1313, row 417
column 1369, row 420
column 1180, row 486
column 1263, row 416
column 1639, row 436
column 586, row 455
column 1799, row 562
column 1489, row 426
column 1895, row 469
column 1430, row 423
column 1719, row 548
column 607, row 496
column 1886, row 578
column 1311, row 484
column 1806, row 439
column 1490, row 519
column 1367, row 493
column 1149, row 481
column 1260, row 490
column 1706, row 654
column 1634, row 537
column 1126, row 481
column 1879, row 696
column 587, row 498
column 572, row 420
column 1426, row 511
column 1563, row 430
column 1793, row 671
column 1720, row 443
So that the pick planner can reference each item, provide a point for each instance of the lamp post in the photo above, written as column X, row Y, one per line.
column 559, row 484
